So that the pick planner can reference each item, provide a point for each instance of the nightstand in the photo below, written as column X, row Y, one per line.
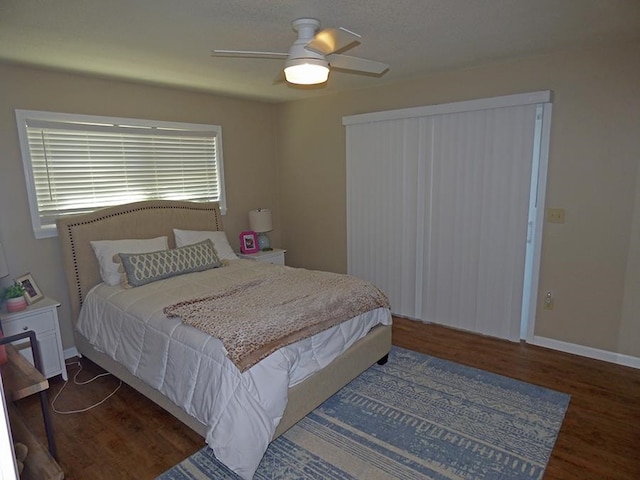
column 42, row 318
column 275, row 256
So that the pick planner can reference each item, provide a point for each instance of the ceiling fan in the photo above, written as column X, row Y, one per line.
column 312, row 54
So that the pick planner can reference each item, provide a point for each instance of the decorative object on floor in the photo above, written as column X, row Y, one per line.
column 15, row 297
column 260, row 222
column 21, row 451
column 415, row 417
column 31, row 290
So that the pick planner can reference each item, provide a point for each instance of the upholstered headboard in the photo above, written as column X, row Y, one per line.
column 130, row 221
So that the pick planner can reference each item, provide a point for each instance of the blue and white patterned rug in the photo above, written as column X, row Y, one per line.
column 417, row 417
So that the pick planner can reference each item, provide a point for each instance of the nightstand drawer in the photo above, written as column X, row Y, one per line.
column 39, row 322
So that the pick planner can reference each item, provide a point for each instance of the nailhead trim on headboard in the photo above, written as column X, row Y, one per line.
column 71, row 226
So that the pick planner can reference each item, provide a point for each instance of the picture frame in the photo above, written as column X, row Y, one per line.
column 32, row 292
column 249, row 242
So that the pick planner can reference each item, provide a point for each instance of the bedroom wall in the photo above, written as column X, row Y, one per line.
column 593, row 175
column 249, row 151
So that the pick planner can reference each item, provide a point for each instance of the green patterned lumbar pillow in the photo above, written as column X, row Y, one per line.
column 142, row 268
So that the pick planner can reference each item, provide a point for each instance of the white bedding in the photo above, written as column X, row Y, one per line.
column 241, row 411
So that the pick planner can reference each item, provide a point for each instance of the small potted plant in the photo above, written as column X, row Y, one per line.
column 14, row 296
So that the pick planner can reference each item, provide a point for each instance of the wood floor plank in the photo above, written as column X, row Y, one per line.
column 600, row 436
column 129, row 437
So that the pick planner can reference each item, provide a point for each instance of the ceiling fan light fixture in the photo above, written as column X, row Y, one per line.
column 306, row 71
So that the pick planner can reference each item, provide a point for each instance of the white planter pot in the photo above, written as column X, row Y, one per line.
column 16, row 304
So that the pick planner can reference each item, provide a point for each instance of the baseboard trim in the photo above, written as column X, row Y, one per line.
column 604, row 355
column 612, row 357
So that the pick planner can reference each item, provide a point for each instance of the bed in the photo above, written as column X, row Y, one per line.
column 143, row 220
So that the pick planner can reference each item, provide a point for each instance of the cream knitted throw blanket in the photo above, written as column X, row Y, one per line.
column 276, row 308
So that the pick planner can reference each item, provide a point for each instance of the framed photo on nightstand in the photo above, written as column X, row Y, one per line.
column 249, row 242
column 31, row 291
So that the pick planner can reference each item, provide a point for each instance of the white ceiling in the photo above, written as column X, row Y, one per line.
column 169, row 42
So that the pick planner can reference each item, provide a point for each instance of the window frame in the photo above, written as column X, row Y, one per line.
column 48, row 230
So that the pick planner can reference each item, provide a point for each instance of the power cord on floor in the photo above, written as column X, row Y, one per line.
column 75, row 381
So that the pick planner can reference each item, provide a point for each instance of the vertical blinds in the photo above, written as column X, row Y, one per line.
column 78, row 167
column 437, row 212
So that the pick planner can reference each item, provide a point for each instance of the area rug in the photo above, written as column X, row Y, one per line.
column 417, row 417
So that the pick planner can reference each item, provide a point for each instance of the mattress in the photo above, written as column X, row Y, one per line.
column 241, row 410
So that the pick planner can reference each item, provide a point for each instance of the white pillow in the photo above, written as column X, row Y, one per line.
column 106, row 249
column 219, row 239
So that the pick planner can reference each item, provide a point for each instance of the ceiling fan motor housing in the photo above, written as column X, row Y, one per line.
column 306, row 28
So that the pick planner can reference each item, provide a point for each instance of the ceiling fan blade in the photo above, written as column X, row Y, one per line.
column 346, row 62
column 330, row 40
column 248, row 54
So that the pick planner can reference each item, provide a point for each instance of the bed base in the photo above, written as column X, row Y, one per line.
column 303, row 398
column 306, row 396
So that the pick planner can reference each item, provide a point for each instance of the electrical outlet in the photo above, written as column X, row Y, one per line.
column 548, row 301
column 555, row 215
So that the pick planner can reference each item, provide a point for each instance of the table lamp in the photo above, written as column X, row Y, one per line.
column 260, row 222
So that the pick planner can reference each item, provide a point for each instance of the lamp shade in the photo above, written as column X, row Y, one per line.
column 260, row 220
column 4, row 269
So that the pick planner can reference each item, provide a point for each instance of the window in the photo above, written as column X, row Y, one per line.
column 79, row 163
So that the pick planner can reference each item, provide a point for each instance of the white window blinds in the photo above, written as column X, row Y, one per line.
column 77, row 165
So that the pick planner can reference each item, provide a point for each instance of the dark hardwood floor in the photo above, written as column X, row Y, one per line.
column 129, row 437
